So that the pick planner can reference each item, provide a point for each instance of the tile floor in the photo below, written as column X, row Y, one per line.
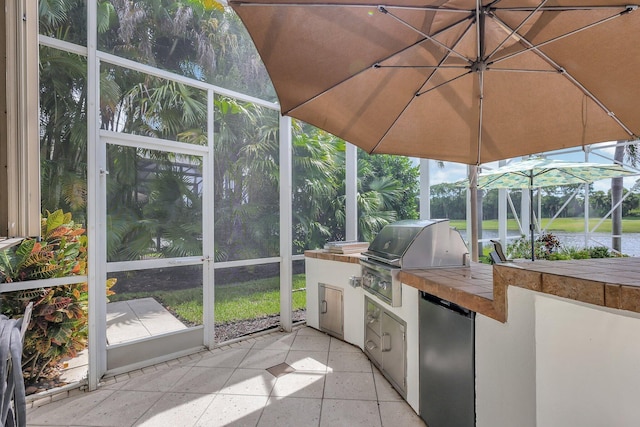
column 303, row 378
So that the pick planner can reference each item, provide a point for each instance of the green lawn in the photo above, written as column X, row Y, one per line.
column 569, row 225
column 238, row 301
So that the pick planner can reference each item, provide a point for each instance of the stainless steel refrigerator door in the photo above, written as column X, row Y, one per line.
column 447, row 371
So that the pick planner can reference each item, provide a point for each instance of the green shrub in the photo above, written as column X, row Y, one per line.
column 521, row 249
column 548, row 247
column 576, row 253
column 634, row 212
column 58, row 326
column 559, row 256
column 599, row 252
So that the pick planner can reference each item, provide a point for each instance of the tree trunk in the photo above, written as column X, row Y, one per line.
column 616, row 196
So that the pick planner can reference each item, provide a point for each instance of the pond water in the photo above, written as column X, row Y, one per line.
column 630, row 241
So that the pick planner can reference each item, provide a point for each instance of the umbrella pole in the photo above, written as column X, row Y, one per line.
column 473, row 188
column 531, row 224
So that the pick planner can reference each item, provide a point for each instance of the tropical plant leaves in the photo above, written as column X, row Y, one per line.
column 58, row 326
column 53, row 221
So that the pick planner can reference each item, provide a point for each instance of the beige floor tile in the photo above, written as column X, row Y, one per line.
column 112, row 384
column 290, row 412
column 311, row 332
column 353, row 413
column 63, row 411
column 233, row 411
column 248, row 343
column 202, row 380
column 349, row 362
column 120, row 409
column 311, row 342
column 384, row 390
column 304, row 360
column 230, row 358
column 339, row 345
column 299, row 384
column 396, row 414
column 349, row 385
column 162, row 380
column 256, row 382
column 276, row 342
column 210, row 389
column 263, row 358
column 176, row 409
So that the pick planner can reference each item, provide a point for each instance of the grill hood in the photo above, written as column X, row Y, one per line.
column 419, row 244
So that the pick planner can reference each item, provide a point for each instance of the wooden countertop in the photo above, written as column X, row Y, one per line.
column 322, row 254
column 608, row 282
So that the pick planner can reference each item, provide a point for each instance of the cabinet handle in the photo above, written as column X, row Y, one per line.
column 370, row 345
column 323, row 308
column 386, row 342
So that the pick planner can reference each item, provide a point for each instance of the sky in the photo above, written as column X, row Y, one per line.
column 453, row 172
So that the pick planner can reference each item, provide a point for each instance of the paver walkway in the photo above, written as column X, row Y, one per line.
column 138, row 318
column 126, row 321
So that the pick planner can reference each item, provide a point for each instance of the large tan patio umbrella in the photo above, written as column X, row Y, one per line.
column 456, row 80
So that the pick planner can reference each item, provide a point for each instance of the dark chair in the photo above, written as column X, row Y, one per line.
column 497, row 255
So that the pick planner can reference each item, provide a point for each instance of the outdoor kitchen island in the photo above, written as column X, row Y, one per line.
column 556, row 343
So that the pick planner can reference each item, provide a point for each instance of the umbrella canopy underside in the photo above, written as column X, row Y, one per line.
column 456, row 80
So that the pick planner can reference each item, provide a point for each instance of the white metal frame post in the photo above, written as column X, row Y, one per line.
column 208, row 246
column 96, row 210
column 286, row 224
column 351, row 192
column 425, row 189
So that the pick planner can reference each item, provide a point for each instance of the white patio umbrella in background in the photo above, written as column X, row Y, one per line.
column 540, row 172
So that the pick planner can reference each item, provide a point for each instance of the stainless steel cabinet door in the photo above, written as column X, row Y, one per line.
column 372, row 331
column 331, row 310
column 393, row 346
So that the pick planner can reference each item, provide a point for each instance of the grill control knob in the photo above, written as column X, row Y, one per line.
column 367, row 279
column 355, row 281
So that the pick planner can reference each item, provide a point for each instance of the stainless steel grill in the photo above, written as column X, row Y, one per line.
column 409, row 244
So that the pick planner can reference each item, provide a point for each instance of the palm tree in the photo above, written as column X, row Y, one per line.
column 318, row 173
column 196, row 38
column 63, row 122
column 404, row 171
column 375, row 206
column 246, row 179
